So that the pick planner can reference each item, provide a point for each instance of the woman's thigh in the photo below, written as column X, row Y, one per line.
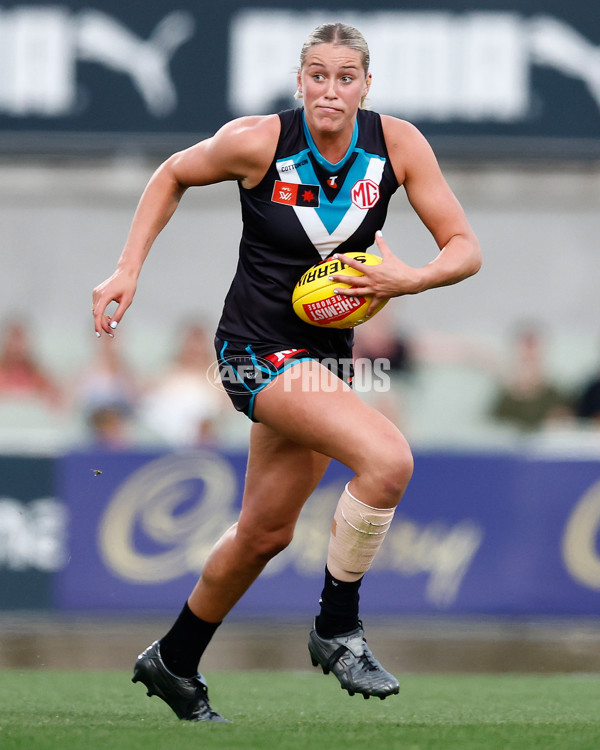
column 319, row 411
column 280, row 476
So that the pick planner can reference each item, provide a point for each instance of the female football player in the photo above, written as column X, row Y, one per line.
column 314, row 181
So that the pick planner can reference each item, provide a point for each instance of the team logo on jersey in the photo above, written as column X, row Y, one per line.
column 365, row 193
column 294, row 194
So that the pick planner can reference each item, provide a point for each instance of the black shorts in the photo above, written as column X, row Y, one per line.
column 246, row 369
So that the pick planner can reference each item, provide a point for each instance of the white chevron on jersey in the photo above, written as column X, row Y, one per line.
column 316, row 231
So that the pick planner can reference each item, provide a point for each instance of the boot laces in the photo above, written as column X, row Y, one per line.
column 367, row 662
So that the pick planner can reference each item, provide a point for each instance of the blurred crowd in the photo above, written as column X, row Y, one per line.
column 117, row 406
column 183, row 405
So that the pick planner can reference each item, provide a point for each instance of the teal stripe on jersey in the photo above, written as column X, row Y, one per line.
column 321, row 159
column 332, row 213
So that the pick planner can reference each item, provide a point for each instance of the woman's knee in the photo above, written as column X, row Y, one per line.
column 262, row 544
column 387, row 471
column 399, row 471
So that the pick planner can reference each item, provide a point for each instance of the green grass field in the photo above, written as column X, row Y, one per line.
column 42, row 709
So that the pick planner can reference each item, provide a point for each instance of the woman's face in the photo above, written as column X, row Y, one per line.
column 332, row 82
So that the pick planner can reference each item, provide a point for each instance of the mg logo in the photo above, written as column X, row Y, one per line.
column 365, row 193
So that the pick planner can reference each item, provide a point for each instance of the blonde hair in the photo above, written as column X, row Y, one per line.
column 342, row 35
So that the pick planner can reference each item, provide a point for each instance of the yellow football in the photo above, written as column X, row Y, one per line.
column 314, row 299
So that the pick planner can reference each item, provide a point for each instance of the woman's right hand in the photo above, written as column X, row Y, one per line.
column 119, row 288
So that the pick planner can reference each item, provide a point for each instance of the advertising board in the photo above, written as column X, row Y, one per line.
column 33, row 529
column 476, row 77
column 475, row 534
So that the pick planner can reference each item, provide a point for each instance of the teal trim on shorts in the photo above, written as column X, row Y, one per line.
column 291, row 363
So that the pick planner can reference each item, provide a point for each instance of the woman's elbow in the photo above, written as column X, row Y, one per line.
column 475, row 259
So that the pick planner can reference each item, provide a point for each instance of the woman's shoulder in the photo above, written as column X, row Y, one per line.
column 404, row 141
column 393, row 128
column 407, row 147
column 396, row 127
column 246, row 146
column 256, row 129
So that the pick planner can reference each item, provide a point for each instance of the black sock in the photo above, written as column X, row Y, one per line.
column 339, row 607
column 182, row 647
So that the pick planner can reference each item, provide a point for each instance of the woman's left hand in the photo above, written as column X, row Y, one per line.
column 390, row 278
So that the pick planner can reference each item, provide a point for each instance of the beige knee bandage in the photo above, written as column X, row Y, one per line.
column 356, row 535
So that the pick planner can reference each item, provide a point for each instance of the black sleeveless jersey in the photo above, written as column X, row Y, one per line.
column 303, row 210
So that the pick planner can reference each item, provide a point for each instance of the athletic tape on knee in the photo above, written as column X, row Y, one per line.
column 357, row 533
